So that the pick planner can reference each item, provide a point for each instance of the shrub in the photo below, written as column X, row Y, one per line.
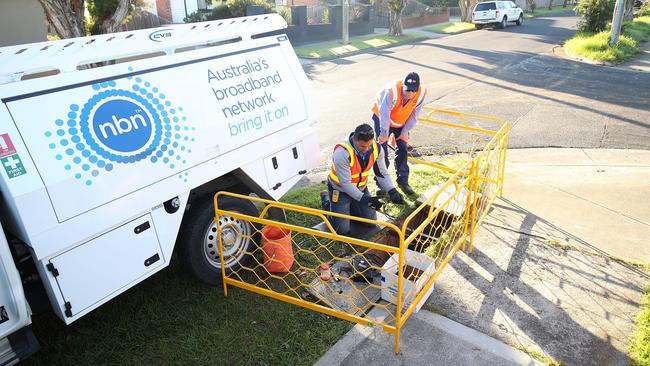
column 197, row 16
column 231, row 9
column 284, row 12
column 595, row 14
column 220, row 12
column 238, row 7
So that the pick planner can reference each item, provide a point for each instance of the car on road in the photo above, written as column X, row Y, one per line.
column 497, row 13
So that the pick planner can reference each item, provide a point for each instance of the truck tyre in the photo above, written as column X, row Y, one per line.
column 199, row 246
column 504, row 22
column 520, row 20
column 478, row 26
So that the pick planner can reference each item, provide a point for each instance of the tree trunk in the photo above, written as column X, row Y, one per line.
column 112, row 23
column 65, row 16
column 395, row 8
column 565, row 2
column 395, row 23
column 550, row 4
column 465, row 10
column 466, row 7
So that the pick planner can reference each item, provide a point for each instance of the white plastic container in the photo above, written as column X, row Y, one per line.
column 410, row 289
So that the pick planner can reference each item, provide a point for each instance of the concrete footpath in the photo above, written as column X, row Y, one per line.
column 552, row 271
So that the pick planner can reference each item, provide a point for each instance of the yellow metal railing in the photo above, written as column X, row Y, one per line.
column 394, row 271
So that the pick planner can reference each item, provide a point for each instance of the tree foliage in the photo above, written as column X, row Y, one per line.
column 67, row 19
column 595, row 14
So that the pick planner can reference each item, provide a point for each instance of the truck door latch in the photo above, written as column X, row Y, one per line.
column 50, row 267
column 142, row 227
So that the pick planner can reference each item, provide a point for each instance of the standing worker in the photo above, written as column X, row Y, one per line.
column 347, row 191
column 396, row 110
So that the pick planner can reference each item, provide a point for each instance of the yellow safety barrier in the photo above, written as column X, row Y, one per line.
column 394, row 271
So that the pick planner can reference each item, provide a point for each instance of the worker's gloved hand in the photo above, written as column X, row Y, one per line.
column 375, row 203
column 395, row 196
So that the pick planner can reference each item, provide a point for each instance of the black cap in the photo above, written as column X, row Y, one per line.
column 411, row 82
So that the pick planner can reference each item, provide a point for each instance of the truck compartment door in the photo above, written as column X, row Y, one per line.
column 284, row 165
column 107, row 264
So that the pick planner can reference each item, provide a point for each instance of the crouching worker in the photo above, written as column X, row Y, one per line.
column 347, row 191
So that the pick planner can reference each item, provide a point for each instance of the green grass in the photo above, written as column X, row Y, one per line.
column 451, row 27
column 306, row 197
column 640, row 344
column 540, row 12
column 596, row 46
column 356, row 44
column 172, row 319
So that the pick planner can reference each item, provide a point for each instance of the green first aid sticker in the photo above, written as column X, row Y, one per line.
column 13, row 166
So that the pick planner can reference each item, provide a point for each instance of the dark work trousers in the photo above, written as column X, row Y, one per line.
column 401, row 154
column 348, row 206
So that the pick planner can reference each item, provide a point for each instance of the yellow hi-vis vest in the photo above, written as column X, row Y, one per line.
column 399, row 112
column 359, row 177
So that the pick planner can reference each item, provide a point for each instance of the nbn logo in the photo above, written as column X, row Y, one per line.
column 122, row 125
column 158, row 35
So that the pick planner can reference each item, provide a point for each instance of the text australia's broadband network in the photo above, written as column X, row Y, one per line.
column 251, row 95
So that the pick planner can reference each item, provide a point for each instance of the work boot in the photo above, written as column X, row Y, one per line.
column 406, row 188
column 380, row 193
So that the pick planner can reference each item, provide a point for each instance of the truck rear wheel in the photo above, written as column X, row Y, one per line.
column 199, row 247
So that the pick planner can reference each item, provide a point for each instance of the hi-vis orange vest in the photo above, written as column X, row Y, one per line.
column 359, row 177
column 400, row 113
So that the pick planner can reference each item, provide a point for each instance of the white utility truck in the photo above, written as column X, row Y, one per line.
column 113, row 146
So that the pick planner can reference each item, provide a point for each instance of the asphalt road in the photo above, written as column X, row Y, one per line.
column 513, row 74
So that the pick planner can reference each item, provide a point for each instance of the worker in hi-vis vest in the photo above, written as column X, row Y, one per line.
column 347, row 191
column 395, row 111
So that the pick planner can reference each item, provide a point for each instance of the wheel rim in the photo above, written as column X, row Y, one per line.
column 235, row 236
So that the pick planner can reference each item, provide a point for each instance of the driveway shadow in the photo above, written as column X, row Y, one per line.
column 517, row 286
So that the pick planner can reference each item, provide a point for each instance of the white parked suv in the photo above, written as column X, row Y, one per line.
column 497, row 13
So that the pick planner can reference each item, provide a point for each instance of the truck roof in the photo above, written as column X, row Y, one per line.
column 74, row 54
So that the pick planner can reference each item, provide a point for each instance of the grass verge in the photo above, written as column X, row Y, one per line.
column 640, row 344
column 172, row 319
column 540, row 12
column 356, row 44
column 595, row 46
column 451, row 28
